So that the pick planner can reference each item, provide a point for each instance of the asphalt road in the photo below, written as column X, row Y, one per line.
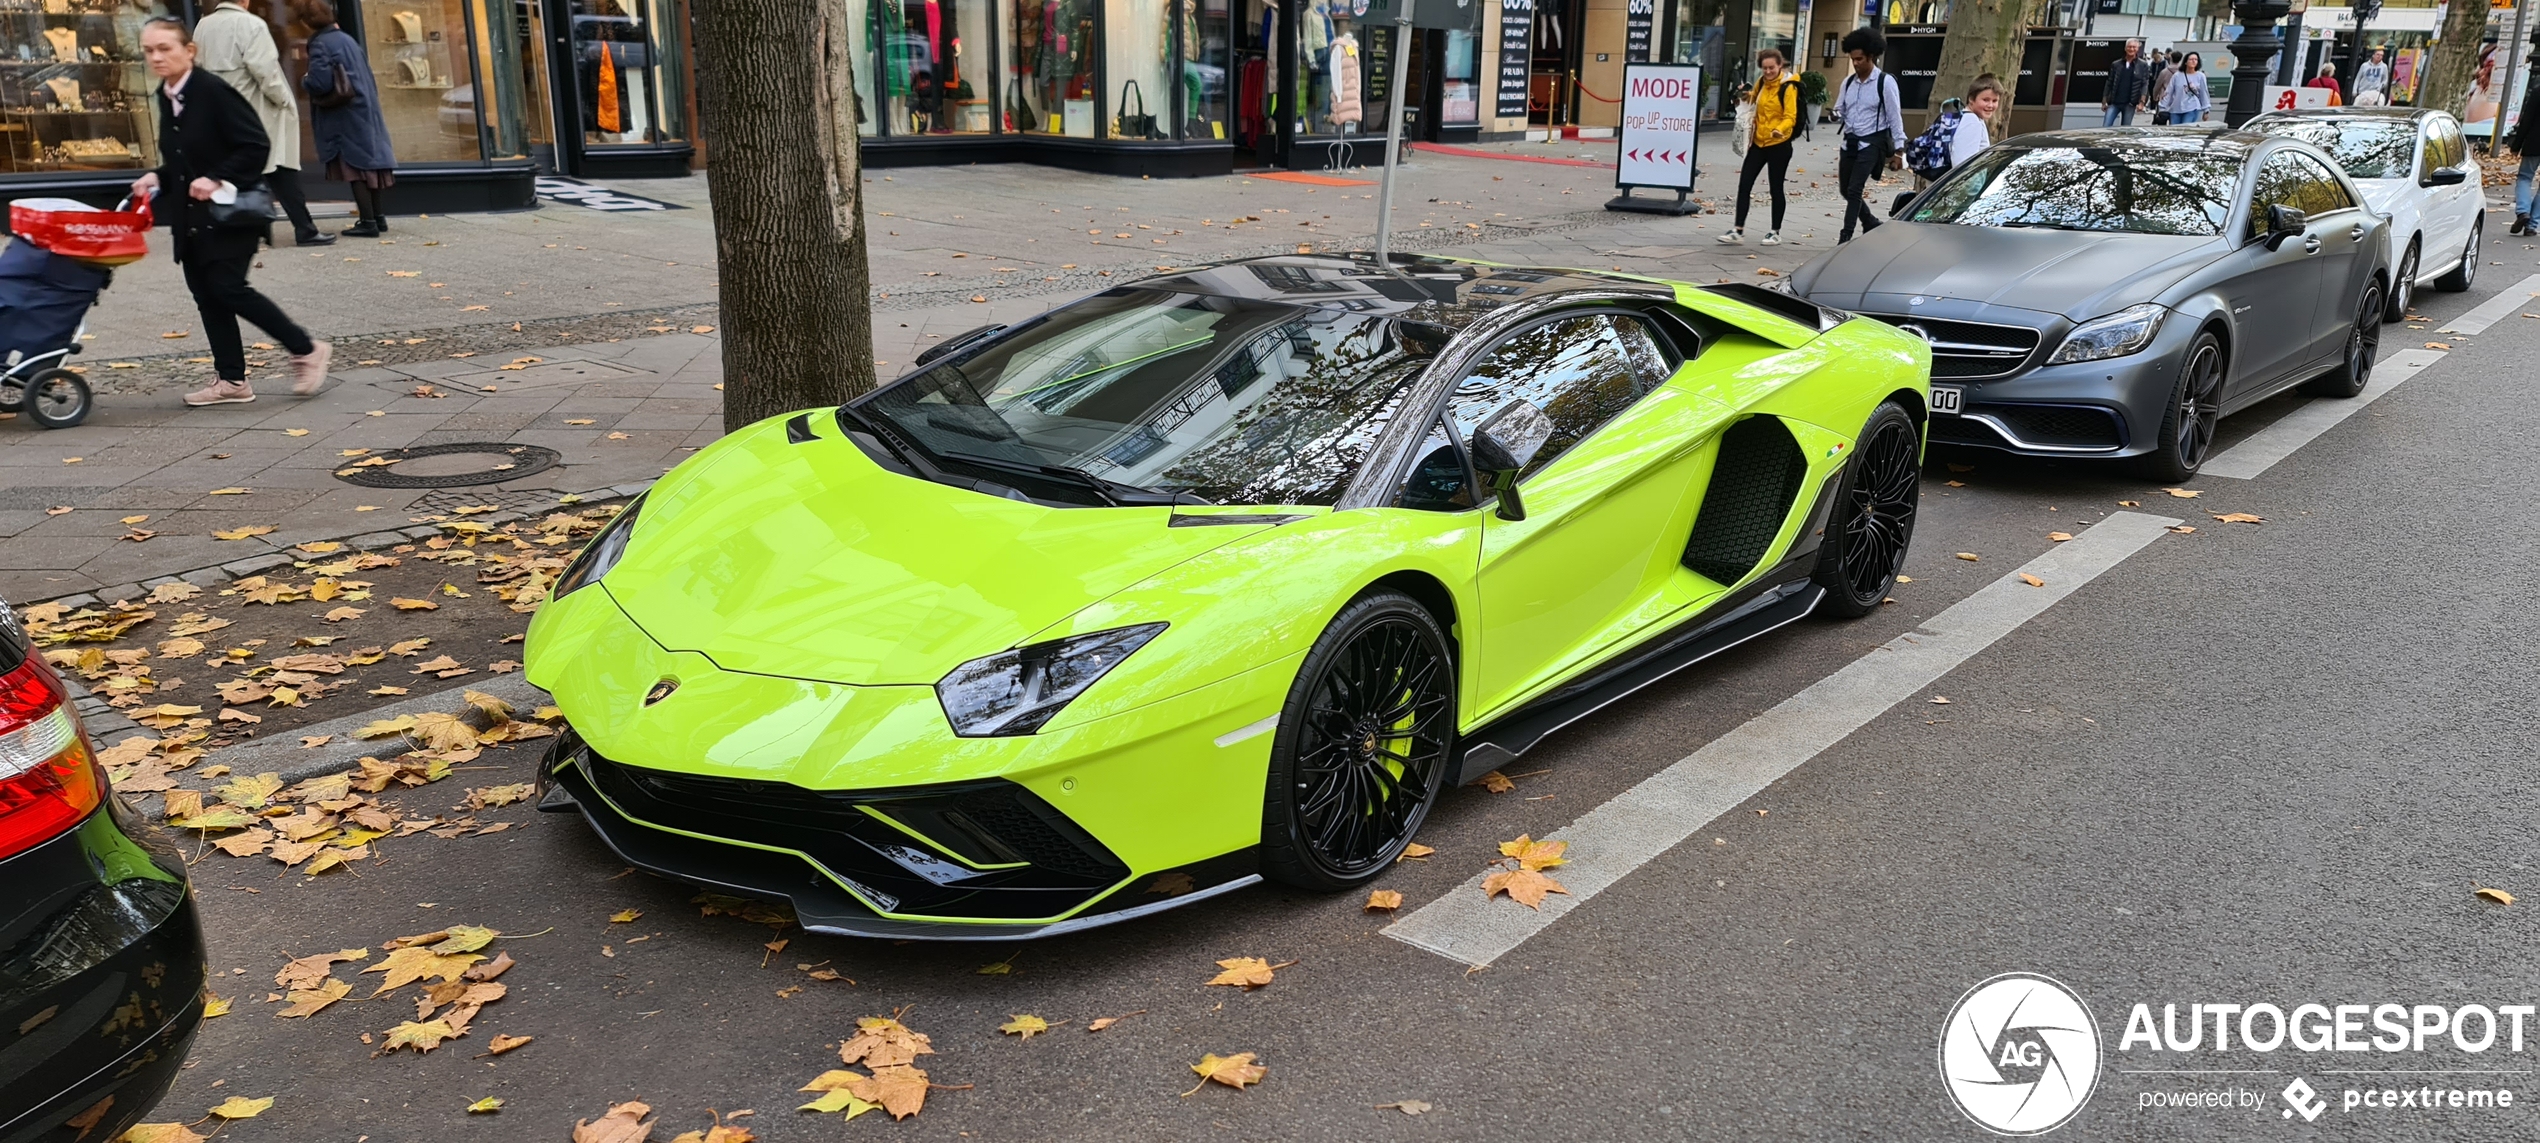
column 2256, row 763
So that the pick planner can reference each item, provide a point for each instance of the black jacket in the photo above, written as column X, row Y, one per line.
column 2526, row 134
column 218, row 137
column 2129, row 84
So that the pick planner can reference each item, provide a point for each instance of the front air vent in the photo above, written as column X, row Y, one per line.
column 1753, row 485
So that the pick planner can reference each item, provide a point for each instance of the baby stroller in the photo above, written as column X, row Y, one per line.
column 49, row 277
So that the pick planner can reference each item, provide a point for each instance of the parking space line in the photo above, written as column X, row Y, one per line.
column 2262, row 449
column 1613, row 839
column 2507, row 302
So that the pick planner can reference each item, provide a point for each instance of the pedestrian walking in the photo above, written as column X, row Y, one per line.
column 2164, row 65
column 352, row 140
column 1873, row 120
column 2327, row 78
column 2373, row 77
column 234, row 43
column 212, row 149
column 2525, row 138
column 2129, row 87
column 1975, row 126
column 1777, row 104
column 2186, row 100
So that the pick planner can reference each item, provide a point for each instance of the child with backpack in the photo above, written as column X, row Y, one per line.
column 1956, row 136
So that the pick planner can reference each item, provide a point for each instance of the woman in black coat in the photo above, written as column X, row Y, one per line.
column 212, row 146
column 352, row 139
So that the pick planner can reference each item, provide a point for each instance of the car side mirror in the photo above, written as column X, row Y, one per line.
column 1498, row 467
column 2283, row 222
column 1904, row 199
column 2446, row 177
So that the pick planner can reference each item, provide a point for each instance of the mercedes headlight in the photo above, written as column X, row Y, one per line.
column 2126, row 331
column 601, row 554
column 1017, row 692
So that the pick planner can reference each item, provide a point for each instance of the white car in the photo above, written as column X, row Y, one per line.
column 2413, row 168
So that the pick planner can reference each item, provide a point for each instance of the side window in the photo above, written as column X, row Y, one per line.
column 1438, row 481
column 2322, row 193
column 2279, row 184
column 1580, row 371
column 2455, row 148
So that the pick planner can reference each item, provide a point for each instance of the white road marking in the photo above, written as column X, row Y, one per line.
column 2262, row 449
column 1610, row 841
column 2509, row 301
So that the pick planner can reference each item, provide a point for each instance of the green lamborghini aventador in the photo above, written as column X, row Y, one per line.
column 1211, row 577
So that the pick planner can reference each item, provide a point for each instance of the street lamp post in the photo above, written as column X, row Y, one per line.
column 2256, row 44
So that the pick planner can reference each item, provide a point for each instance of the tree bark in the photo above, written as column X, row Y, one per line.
column 2447, row 75
column 1985, row 37
column 776, row 87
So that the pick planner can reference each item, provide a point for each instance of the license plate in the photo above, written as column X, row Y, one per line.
column 1945, row 398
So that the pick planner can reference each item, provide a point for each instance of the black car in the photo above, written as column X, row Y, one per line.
column 101, row 955
column 2115, row 292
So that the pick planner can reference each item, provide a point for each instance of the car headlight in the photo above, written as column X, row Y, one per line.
column 1017, row 692
column 2126, row 331
column 601, row 554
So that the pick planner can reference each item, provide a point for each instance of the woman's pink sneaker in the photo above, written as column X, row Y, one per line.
column 222, row 393
column 308, row 370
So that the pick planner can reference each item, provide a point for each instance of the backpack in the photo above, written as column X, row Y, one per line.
column 1927, row 154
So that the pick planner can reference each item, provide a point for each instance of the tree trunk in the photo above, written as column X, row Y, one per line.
column 1985, row 37
column 2448, row 74
column 776, row 87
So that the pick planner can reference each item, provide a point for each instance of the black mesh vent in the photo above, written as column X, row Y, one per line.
column 1752, row 486
column 1960, row 430
column 2062, row 426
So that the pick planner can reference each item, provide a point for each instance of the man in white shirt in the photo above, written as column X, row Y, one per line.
column 1873, row 120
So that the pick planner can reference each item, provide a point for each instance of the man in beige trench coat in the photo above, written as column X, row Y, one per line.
column 236, row 45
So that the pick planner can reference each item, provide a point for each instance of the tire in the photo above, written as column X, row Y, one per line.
column 2363, row 343
column 2403, row 285
column 2194, row 412
column 2467, row 272
column 1364, row 746
column 56, row 399
column 1873, row 518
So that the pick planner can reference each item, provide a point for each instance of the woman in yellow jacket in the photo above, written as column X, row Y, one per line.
column 1777, row 109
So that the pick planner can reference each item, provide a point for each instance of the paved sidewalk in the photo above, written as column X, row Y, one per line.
column 1018, row 239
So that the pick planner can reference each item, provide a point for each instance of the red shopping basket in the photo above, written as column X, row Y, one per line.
column 78, row 230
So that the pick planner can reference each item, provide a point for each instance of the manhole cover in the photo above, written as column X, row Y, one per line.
column 424, row 466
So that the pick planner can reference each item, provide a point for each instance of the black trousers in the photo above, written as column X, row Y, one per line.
column 1853, row 174
column 222, row 296
column 284, row 182
column 1758, row 159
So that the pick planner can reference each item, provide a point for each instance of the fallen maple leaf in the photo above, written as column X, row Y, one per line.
column 421, row 1036
column 2184, row 529
column 242, row 533
column 1970, row 557
column 1249, row 972
column 1234, row 1071
column 412, row 963
column 1025, row 1026
column 404, row 604
column 214, row 1005
column 2031, row 580
column 624, row 1123
column 1524, row 886
column 2238, row 517
column 1532, row 854
column 719, row 1133
column 488, row 1104
column 1108, row 1021
column 2185, row 493
column 2499, row 896
column 2059, row 537
column 1497, row 783
column 502, row 1043
column 897, row 1088
column 1387, row 899
column 882, row 1041
column 311, row 1001
column 625, row 916
column 1415, row 852
column 227, row 492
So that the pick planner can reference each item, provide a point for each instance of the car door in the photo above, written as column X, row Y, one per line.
column 2337, row 237
column 1586, row 556
column 2274, row 294
column 2450, row 211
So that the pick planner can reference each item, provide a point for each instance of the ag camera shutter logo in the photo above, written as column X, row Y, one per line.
column 2020, row 1054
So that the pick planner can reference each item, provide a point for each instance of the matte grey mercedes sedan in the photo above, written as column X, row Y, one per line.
column 2115, row 292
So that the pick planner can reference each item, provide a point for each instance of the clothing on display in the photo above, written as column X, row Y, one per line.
column 610, row 119
column 1346, row 107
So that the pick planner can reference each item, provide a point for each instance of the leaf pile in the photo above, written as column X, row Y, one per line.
column 890, row 1050
column 456, row 979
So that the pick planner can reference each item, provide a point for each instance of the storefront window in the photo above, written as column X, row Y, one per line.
column 1051, row 68
column 1136, row 51
column 1460, row 94
column 497, row 94
column 1342, row 70
column 419, row 60
column 74, row 94
column 626, row 63
column 925, row 67
column 1206, row 72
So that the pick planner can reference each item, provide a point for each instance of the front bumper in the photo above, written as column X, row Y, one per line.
column 971, row 861
column 101, row 965
column 2107, row 408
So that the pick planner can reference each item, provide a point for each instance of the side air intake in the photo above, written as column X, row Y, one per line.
column 1753, row 485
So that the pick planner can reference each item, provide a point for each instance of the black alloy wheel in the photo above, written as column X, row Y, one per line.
column 2194, row 415
column 56, row 399
column 2363, row 344
column 2403, row 285
column 1364, row 746
column 1873, row 518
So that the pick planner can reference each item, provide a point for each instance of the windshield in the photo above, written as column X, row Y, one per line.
column 2367, row 148
column 2128, row 190
column 1198, row 398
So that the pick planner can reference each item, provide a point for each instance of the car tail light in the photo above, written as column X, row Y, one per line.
column 48, row 781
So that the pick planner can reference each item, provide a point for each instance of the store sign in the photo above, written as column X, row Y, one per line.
column 1662, row 106
column 1516, row 56
column 2295, row 98
column 1444, row 15
column 1640, row 26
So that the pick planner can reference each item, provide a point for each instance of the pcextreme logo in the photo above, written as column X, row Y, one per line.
column 2020, row 1054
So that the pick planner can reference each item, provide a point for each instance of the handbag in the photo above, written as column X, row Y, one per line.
column 1138, row 124
column 1745, row 132
column 251, row 210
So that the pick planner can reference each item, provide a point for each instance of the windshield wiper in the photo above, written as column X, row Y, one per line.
column 1113, row 492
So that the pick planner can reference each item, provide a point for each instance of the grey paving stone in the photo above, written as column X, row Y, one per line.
column 377, row 540
column 83, row 599
column 206, row 577
column 119, row 592
column 255, row 564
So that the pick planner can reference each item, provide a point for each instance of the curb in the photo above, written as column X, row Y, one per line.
column 282, row 754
